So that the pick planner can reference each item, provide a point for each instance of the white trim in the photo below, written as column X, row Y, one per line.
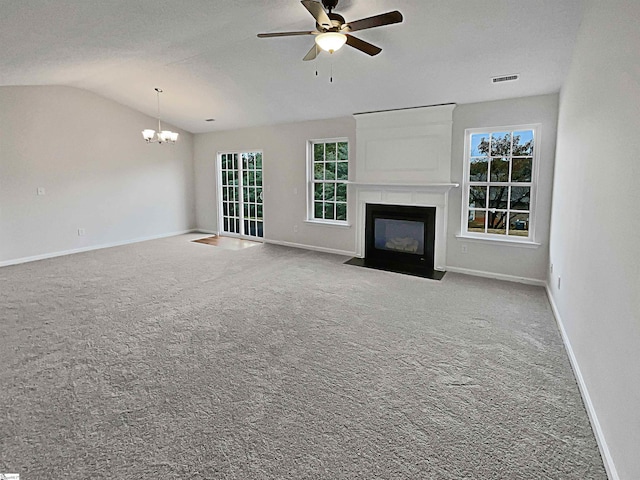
column 202, row 230
column 44, row 256
column 218, row 175
column 508, row 240
column 310, row 247
column 607, row 459
column 240, row 170
column 329, row 223
column 497, row 276
column 311, row 180
column 434, row 187
column 329, row 140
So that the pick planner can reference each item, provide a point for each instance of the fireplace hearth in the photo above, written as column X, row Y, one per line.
column 400, row 238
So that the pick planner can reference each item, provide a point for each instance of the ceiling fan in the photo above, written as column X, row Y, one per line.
column 332, row 31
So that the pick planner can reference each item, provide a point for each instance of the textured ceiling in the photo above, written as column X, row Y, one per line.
column 207, row 58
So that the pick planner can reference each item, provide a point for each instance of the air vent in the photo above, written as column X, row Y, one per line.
column 506, row 78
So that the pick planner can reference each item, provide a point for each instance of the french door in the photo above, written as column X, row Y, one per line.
column 240, row 187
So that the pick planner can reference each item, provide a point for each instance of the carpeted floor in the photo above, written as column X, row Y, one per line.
column 174, row 360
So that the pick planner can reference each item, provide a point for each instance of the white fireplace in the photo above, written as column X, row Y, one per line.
column 403, row 157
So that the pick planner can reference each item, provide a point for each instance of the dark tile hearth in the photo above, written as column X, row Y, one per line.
column 407, row 269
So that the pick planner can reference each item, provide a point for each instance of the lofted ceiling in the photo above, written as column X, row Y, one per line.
column 206, row 57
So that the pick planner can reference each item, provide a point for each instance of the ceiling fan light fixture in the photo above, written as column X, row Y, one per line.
column 331, row 41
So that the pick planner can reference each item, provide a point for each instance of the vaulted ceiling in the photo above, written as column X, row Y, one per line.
column 206, row 57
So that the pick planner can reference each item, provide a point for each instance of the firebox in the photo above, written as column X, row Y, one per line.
column 400, row 238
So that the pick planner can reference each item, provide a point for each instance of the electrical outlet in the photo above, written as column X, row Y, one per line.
column 81, row 232
column 295, row 229
column 295, row 190
column 558, row 283
column 463, row 248
column 41, row 191
column 551, row 268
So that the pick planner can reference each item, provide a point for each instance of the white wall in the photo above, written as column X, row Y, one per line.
column 88, row 154
column 284, row 178
column 505, row 259
column 595, row 224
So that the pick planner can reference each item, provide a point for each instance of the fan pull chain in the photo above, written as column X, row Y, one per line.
column 331, row 79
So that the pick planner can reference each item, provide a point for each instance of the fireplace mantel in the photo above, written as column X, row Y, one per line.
column 426, row 187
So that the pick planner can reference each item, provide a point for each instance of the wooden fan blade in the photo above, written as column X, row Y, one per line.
column 286, row 34
column 375, row 21
column 313, row 53
column 317, row 10
column 363, row 46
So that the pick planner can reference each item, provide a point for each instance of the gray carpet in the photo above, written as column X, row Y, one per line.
column 176, row 360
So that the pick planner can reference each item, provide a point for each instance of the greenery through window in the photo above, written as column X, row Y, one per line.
column 329, row 173
column 499, row 182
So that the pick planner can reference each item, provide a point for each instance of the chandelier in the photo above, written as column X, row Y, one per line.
column 161, row 136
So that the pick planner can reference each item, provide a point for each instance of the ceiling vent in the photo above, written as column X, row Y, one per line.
column 506, row 78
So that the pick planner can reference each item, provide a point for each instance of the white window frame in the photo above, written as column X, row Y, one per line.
column 241, row 199
column 530, row 240
column 311, row 181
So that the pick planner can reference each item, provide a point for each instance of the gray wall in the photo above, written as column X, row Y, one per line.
column 88, row 154
column 595, row 224
column 505, row 259
column 284, row 172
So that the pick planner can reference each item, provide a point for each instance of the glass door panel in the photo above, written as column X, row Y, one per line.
column 252, row 182
column 241, row 185
column 229, row 173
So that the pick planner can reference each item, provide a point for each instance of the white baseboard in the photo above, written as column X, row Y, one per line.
column 44, row 256
column 497, row 276
column 202, row 230
column 311, row 247
column 609, row 465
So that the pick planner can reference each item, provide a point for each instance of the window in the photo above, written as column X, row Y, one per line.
column 499, row 183
column 328, row 174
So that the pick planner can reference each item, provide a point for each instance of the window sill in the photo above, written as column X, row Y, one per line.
column 328, row 223
column 501, row 241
